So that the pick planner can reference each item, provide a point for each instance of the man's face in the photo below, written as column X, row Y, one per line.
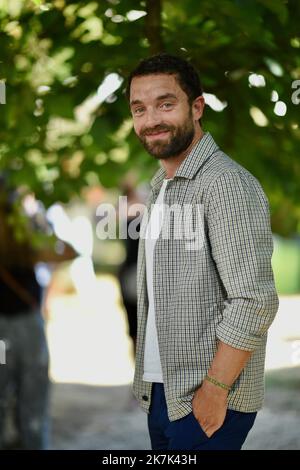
column 163, row 119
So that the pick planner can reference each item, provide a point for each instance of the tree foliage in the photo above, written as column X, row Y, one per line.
column 55, row 137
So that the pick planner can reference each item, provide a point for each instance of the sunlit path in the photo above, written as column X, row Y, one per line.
column 283, row 347
column 87, row 337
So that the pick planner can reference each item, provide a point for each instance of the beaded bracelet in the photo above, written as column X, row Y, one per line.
column 217, row 383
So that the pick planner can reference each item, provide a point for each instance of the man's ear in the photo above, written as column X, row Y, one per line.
column 198, row 107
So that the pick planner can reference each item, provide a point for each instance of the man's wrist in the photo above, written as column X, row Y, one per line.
column 210, row 390
column 217, row 383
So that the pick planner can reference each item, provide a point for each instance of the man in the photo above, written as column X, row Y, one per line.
column 24, row 376
column 203, row 313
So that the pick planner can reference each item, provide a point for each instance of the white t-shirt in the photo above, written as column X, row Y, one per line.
column 152, row 364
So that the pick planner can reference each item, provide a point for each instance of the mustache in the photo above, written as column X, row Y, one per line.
column 154, row 130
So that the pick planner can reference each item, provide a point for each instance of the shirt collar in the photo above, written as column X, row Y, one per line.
column 199, row 153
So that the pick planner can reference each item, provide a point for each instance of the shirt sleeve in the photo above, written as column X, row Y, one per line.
column 241, row 242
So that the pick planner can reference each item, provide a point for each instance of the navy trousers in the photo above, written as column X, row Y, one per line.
column 187, row 434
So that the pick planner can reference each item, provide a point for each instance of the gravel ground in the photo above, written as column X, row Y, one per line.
column 91, row 368
column 92, row 417
column 103, row 415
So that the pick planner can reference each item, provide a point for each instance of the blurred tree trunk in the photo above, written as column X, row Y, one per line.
column 153, row 25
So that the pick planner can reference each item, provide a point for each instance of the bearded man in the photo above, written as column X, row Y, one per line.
column 203, row 310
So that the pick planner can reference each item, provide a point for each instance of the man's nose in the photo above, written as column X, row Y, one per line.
column 152, row 118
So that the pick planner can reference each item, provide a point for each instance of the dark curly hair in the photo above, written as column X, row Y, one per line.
column 185, row 73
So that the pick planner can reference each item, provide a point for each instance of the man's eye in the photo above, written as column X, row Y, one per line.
column 138, row 110
column 167, row 105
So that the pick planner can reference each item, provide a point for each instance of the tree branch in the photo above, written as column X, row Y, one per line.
column 153, row 25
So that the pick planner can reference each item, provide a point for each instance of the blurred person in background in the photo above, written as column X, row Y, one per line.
column 25, row 373
column 127, row 271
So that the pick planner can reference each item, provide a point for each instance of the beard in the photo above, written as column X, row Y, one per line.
column 178, row 141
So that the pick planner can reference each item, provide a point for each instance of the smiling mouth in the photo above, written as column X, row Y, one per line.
column 157, row 134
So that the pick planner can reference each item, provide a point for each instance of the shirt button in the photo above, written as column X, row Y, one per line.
column 145, row 398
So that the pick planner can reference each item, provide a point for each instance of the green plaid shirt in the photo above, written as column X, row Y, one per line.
column 223, row 291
